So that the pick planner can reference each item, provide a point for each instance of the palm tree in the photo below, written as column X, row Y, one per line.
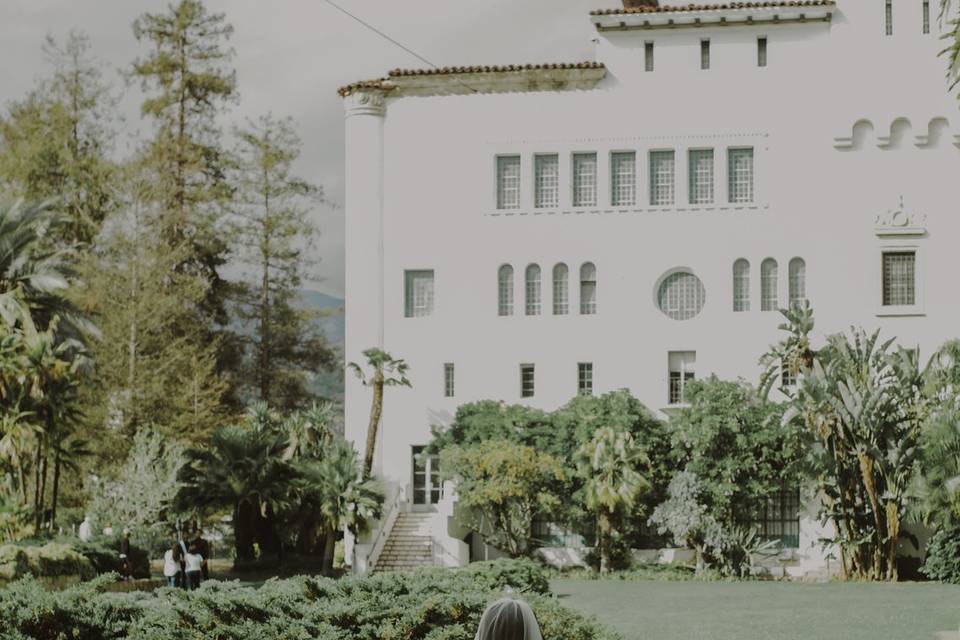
column 385, row 372
column 309, row 432
column 332, row 487
column 34, row 275
column 242, row 469
column 609, row 465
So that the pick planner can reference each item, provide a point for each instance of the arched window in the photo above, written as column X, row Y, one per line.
column 588, row 289
column 505, row 291
column 561, row 290
column 768, row 285
column 798, row 281
column 741, row 285
column 533, row 290
column 681, row 295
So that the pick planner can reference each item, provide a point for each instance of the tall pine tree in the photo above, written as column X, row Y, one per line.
column 276, row 233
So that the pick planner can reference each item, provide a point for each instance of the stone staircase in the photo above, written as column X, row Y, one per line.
column 409, row 544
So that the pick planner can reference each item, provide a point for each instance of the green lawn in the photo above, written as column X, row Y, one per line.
column 659, row 610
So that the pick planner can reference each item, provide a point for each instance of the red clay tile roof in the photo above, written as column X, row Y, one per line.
column 495, row 68
column 379, row 83
column 716, row 7
column 386, row 85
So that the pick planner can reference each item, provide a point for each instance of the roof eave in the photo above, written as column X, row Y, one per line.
column 712, row 18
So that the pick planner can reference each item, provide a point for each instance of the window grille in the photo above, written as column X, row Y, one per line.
column 561, row 296
column 624, row 178
column 427, row 486
column 798, row 281
column 526, row 381
column 926, row 16
column 701, row 176
column 778, row 518
column 661, row 177
column 682, row 372
column 418, row 293
column 584, row 179
column 888, row 18
column 681, row 295
column 704, row 54
column 505, row 291
column 547, row 188
column 899, row 278
column 768, row 285
column 741, row 285
column 533, row 290
column 648, row 56
column 585, row 378
column 761, row 52
column 588, row 289
column 788, row 378
column 448, row 380
column 740, row 175
column 508, row 182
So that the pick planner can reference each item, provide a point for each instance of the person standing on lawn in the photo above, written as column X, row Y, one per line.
column 171, row 568
column 194, row 565
column 125, row 567
column 203, row 548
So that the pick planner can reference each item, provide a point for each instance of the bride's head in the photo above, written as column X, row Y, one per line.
column 509, row 619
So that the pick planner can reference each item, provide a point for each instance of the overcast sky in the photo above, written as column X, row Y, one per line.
column 291, row 55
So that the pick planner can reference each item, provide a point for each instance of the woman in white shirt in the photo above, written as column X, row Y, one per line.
column 170, row 568
column 194, row 567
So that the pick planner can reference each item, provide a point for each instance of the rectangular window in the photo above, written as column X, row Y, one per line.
column 888, row 18
column 526, row 381
column 926, row 16
column 623, row 187
column 899, row 278
column 682, row 365
column 704, row 54
column 778, row 518
column 584, row 179
column 508, row 182
column 701, row 176
column 761, row 52
column 740, row 175
column 547, row 177
column 648, row 56
column 661, row 177
column 418, row 293
column 585, row 378
column 788, row 378
column 448, row 380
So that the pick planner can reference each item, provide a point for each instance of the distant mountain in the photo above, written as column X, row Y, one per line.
column 331, row 321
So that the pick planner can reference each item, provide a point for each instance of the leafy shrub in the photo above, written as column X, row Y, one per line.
column 943, row 556
column 524, row 575
column 104, row 553
column 50, row 560
column 429, row 604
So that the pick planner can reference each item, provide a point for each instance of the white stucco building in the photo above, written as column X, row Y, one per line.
column 520, row 233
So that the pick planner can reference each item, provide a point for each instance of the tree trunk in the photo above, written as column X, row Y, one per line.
column 242, row 534
column 375, row 410
column 36, row 486
column 893, row 533
column 866, row 472
column 603, row 541
column 56, row 490
column 43, row 490
column 329, row 544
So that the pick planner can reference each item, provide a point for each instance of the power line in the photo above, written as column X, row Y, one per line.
column 389, row 39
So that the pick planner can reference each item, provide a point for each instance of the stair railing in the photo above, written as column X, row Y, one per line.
column 389, row 518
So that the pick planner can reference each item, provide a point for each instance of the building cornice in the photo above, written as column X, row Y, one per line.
column 482, row 79
column 720, row 15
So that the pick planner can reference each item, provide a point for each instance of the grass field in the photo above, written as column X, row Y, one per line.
column 657, row 610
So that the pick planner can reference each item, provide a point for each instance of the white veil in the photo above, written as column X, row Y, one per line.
column 508, row 619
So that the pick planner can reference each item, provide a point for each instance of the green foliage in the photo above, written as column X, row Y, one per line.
column 104, row 554
column 943, row 555
column 734, row 442
column 140, row 496
column 506, row 486
column 861, row 405
column 951, row 21
column 429, row 604
column 275, row 238
column 523, row 575
column 47, row 561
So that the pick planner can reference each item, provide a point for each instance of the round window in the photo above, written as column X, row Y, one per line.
column 681, row 295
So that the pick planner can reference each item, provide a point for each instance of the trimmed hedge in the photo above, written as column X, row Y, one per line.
column 48, row 561
column 943, row 556
column 429, row 604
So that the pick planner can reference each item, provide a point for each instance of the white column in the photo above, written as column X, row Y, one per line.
column 364, row 279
